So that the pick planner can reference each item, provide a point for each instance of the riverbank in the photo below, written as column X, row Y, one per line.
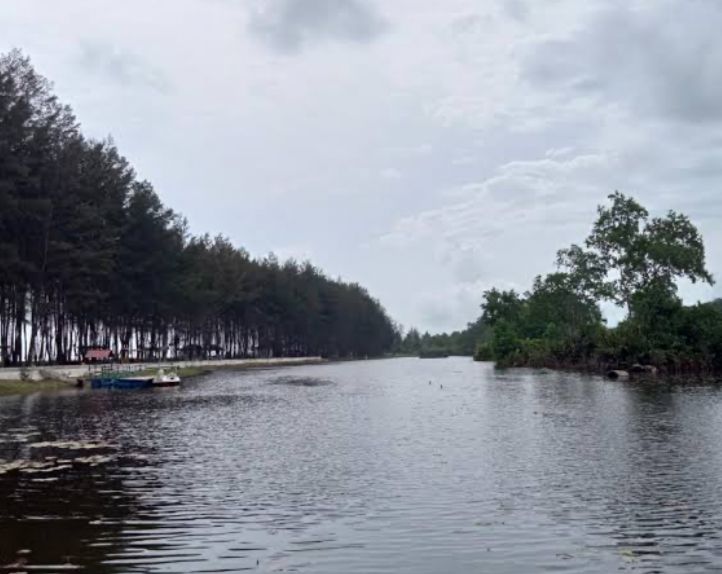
column 613, row 369
column 16, row 387
column 28, row 380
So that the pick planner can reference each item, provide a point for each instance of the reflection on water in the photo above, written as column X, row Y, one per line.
column 366, row 467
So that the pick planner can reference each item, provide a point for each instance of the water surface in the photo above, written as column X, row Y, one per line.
column 406, row 465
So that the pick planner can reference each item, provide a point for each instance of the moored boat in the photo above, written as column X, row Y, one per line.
column 126, row 380
column 163, row 379
column 121, row 383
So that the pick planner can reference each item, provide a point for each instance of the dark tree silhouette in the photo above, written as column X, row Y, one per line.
column 90, row 256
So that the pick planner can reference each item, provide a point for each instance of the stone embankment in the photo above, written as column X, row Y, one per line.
column 74, row 372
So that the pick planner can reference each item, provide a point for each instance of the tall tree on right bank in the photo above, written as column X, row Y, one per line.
column 627, row 253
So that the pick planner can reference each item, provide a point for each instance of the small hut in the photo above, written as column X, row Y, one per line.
column 98, row 356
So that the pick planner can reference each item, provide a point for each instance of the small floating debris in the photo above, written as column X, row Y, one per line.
column 628, row 553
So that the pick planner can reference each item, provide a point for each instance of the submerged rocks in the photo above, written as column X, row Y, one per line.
column 643, row 370
column 635, row 370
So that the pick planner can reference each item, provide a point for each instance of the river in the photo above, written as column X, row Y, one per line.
column 402, row 465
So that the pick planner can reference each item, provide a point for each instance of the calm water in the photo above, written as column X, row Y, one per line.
column 367, row 467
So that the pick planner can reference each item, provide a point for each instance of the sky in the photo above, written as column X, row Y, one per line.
column 427, row 150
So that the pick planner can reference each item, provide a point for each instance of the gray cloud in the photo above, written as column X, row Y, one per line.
column 120, row 66
column 516, row 9
column 650, row 59
column 289, row 25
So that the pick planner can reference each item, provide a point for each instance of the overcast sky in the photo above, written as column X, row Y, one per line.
column 428, row 150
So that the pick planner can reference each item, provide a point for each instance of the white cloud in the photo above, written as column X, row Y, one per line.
column 122, row 67
column 520, row 193
column 390, row 173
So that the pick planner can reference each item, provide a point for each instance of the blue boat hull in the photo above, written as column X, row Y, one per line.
column 129, row 383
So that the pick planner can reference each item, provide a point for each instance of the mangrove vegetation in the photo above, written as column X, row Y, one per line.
column 632, row 260
column 629, row 259
column 458, row 343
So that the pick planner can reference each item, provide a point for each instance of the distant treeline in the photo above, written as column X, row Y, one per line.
column 629, row 259
column 459, row 343
column 90, row 257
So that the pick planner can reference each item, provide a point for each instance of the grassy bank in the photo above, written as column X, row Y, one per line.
column 12, row 387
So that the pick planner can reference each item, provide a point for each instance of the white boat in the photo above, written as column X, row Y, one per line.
column 169, row 379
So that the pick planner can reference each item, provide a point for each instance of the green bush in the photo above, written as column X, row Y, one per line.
column 483, row 352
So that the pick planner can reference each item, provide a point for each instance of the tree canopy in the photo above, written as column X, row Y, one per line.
column 627, row 252
column 90, row 256
column 633, row 261
column 629, row 259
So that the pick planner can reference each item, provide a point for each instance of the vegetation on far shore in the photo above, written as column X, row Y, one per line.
column 460, row 343
column 629, row 259
column 90, row 257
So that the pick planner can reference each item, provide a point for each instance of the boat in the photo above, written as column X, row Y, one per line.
column 121, row 383
column 163, row 379
column 118, row 380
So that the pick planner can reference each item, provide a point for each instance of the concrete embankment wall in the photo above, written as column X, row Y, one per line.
column 77, row 371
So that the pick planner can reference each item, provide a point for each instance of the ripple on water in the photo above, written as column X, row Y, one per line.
column 301, row 382
column 376, row 470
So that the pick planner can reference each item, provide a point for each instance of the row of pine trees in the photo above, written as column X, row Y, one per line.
column 90, row 257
